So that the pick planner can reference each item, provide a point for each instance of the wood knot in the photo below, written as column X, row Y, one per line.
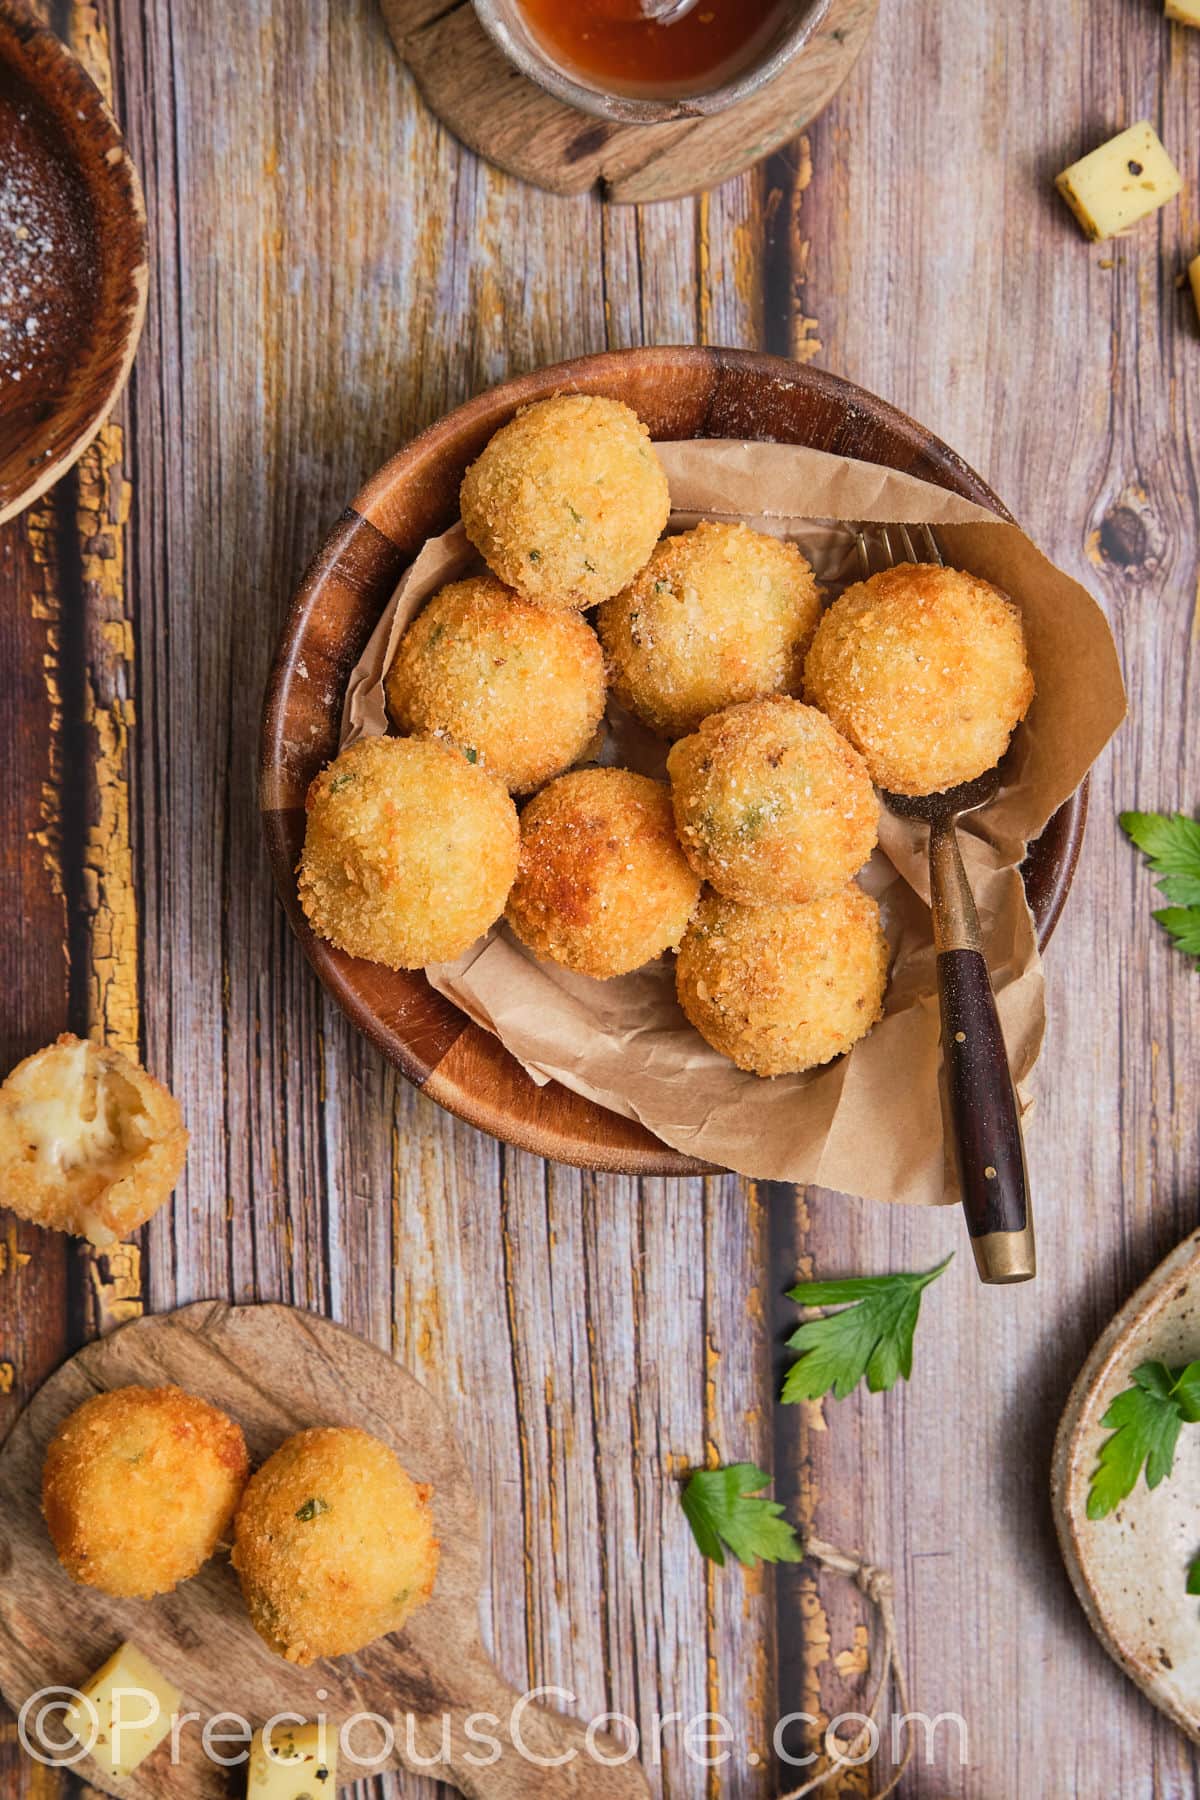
column 1129, row 540
column 1124, row 539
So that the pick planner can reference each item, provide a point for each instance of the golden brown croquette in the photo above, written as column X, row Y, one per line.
column 924, row 670
column 89, row 1142
column 719, row 614
column 603, row 885
column 519, row 688
column 568, row 499
column 333, row 1544
column 409, row 852
column 780, row 989
column 139, row 1487
column 771, row 802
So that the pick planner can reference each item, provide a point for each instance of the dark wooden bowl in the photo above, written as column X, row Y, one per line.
column 681, row 393
column 72, row 246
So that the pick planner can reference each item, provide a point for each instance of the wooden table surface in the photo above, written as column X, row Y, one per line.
column 330, row 272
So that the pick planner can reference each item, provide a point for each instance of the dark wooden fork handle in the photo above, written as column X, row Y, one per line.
column 987, row 1125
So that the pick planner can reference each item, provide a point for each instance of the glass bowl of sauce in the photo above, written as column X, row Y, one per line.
column 645, row 61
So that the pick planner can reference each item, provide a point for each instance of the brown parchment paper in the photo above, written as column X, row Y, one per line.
column 870, row 1123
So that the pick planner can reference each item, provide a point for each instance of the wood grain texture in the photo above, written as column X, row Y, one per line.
column 470, row 85
column 277, row 1371
column 330, row 274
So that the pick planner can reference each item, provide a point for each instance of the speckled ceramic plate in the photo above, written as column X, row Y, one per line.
column 1130, row 1570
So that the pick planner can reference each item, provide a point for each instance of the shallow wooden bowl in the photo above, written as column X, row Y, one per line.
column 72, row 259
column 680, row 393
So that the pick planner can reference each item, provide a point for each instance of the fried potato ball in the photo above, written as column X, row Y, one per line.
column 780, row 989
column 771, row 802
column 719, row 614
column 519, row 688
column 603, row 885
column 333, row 1544
column 409, row 852
column 139, row 1487
column 567, row 500
column 89, row 1142
column 924, row 670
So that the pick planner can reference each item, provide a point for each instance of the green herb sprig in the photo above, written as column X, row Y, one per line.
column 1171, row 844
column 1145, row 1421
column 725, row 1510
column 872, row 1335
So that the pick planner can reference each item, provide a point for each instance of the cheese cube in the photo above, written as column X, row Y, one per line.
column 1194, row 278
column 130, row 1712
column 1187, row 12
column 301, row 1763
column 1123, row 181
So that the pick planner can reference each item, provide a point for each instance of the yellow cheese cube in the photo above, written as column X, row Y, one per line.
column 124, row 1711
column 1194, row 278
column 1121, row 182
column 1187, row 12
column 300, row 1764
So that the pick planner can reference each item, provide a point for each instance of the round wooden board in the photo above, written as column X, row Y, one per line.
column 471, row 86
column 277, row 1370
column 681, row 392
column 1130, row 1569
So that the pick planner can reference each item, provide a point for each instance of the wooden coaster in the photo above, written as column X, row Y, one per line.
column 276, row 1371
column 476, row 92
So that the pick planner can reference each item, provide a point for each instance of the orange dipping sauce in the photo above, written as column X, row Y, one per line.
column 611, row 44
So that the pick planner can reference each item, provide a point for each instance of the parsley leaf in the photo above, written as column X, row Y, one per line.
column 1171, row 844
column 311, row 1509
column 721, row 1507
column 1145, row 1421
column 871, row 1336
column 1193, row 1580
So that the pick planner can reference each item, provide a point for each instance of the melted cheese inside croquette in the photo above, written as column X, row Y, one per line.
column 568, row 499
column 924, row 670
column 719, row 614
column 139, row 1486
column 780, row 989
column 89, row 1142
column 333, row 1544
column 603, row 885
column 519, row 688
column 409, row 852
column 772, row 803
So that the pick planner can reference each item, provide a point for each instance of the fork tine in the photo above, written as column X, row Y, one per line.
column 932, row 550
column 876, row 550
column 863, row 552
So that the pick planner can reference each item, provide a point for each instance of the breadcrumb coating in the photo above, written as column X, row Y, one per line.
column 139, row 1487
column 89, row 1143
column 924, row 670
column 333, row 1544
column 771, row 802
column 409, row 852
column 781, row 989
column 518, row 687
column 603, row 885
column 567, row 500
column 718, row 615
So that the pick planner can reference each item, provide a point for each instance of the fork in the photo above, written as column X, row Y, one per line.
column 985, row 1119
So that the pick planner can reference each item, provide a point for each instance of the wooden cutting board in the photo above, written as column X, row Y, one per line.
column 277, row 1370
column 473, row 88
